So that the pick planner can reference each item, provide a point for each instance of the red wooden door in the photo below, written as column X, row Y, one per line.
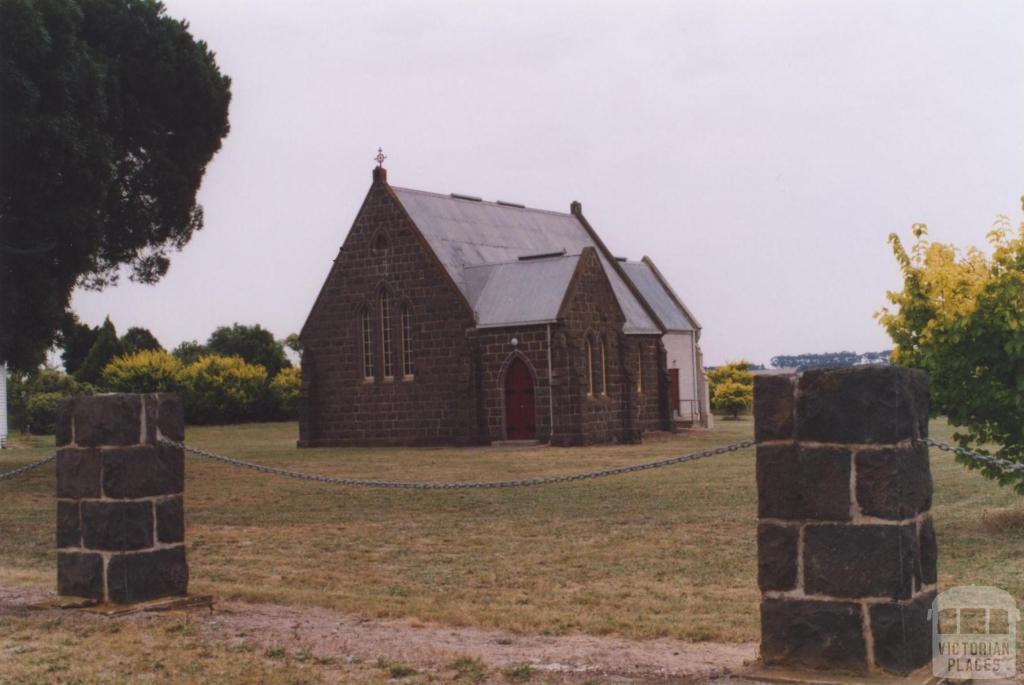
column 520, row 418
column 674, row 376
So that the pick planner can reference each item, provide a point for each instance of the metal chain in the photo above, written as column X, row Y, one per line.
column 27, row 467
column 355, row 482
column 987, row 459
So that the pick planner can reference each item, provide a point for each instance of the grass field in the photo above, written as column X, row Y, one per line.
column 669, row 552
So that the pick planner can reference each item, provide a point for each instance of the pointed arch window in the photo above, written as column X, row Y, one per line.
column 604, row 369
column 367, row 335
column 387, row 350
column 639, row 368
column 590, row 368
column 408, row 370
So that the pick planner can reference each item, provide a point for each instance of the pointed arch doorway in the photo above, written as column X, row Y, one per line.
column 520, row 413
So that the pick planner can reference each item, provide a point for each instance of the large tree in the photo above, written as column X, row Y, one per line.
column 960, row 316
column 254, row 344
column 111, row 112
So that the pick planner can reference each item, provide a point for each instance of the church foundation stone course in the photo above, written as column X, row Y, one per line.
column 120, row 513
column 846, row 546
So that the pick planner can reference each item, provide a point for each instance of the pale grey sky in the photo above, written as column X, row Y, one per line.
column 759, row 152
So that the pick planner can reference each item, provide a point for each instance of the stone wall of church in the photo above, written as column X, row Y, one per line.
column 436, row 404
column 496, row 352
column 601, row 409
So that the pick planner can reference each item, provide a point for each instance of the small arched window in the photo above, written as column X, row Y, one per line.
column 380, row 243
column 407, row 367
column 590, row 368
column 387, row 351
column 604, row 370
column 367, row 334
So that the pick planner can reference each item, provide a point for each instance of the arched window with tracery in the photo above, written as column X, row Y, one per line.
column 604, row 369
column 387, row 350
column 408, row 370
column 367, row 335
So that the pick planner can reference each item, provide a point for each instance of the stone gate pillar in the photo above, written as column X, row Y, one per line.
column 120, row 514
column 846, row 548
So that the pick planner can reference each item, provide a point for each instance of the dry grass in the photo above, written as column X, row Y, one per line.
column 669, row 552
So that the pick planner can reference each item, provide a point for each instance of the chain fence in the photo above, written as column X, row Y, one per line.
column 977, row 457
column 472, row 485
column 27, row 467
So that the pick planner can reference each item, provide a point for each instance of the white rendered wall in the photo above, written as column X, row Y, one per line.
column 680, row 350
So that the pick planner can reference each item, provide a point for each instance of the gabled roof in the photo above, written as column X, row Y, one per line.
column 468, row 233
column 519, row 292
column 668, row 306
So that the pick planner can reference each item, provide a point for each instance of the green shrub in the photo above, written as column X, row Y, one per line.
column 284, row 390
column 219, row 389
column 42, row 412
column 145, row 371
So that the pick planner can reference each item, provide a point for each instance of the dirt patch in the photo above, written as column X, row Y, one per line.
column 328, row 633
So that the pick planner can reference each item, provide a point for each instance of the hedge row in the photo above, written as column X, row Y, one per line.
column 214, row 389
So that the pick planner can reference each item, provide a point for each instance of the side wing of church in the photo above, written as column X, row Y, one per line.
column 449, row 320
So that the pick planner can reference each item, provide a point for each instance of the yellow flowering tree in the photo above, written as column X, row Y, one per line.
column 960, row 317
column 218, row 389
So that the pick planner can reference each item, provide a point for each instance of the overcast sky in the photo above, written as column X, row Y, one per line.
column 759, row 152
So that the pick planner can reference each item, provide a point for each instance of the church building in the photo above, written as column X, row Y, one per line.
column 446, row 319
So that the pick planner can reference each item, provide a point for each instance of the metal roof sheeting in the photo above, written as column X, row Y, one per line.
column 520, row 292
column 468, row 233
column 661, row 301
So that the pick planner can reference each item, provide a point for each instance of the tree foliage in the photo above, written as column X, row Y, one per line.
column 731, row 388
column 960, row 317
column 137, row 339
column 103, row 350
column 189, row 351
column 144, row 371
column 254, row 344
column 111, row 112
column 75, row 341
column 219, row 389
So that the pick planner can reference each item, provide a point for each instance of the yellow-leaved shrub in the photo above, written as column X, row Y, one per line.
column 145, row 371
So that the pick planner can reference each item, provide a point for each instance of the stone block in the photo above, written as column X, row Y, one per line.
column 65, row 417
column 927, row 553
column 865, row 404
column 170, row 520
column 78, row 473
column 811, row 634
column 850, row 562
column 117, row 526
column 143, row 471
column 107, row 420
column 147, row 575
column 796, row 482
column 165, row 417
column 773, row 407
column 777, row 556
column 894, row 483
column 69, row 529
column 902, row 634
column 80, row 575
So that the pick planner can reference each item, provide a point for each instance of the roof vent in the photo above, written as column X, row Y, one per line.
column 511, row 204
column 622, row 259
column 542, row 255
column 472, row 198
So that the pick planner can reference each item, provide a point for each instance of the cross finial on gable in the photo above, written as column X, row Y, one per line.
column 380, row 158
